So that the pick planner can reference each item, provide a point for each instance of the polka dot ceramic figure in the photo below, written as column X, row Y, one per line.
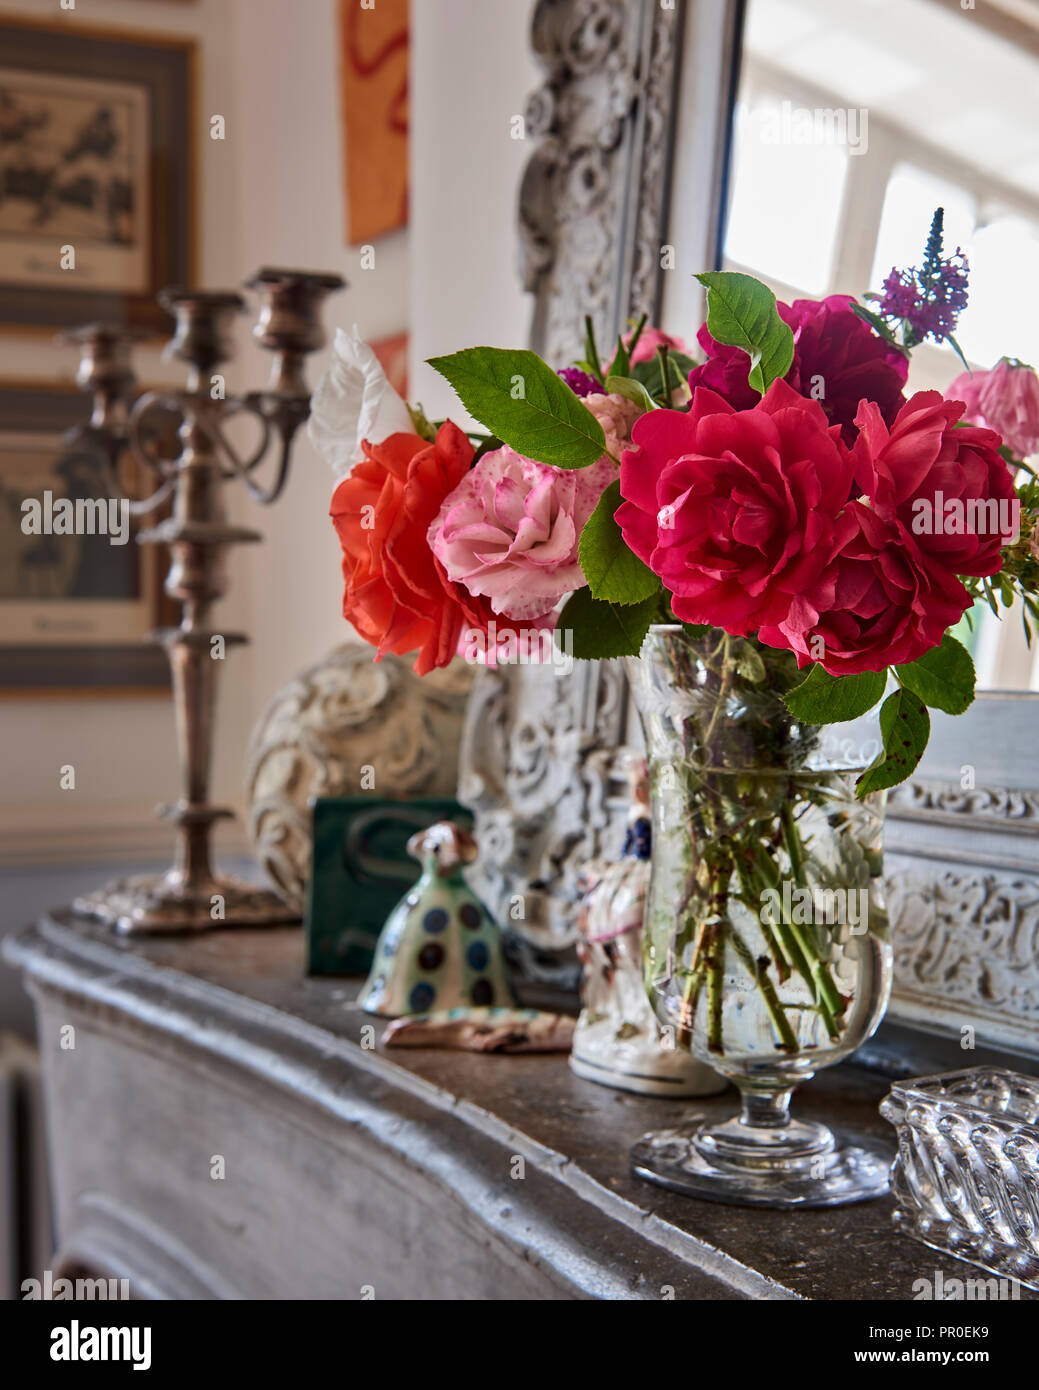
column 440, row 947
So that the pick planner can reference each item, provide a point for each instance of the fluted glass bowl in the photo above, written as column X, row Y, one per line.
column 967, row 1173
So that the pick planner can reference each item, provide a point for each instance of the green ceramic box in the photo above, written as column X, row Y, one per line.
column 360, row 870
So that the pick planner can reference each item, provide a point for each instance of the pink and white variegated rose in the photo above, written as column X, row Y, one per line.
column 510, row 530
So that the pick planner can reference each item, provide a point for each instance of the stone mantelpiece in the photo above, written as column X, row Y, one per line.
column 348, row 1166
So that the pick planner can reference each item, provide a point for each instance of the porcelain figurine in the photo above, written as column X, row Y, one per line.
column 440, row 948
column 618, row 1040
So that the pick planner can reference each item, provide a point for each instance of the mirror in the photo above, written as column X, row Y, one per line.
column 852, row 123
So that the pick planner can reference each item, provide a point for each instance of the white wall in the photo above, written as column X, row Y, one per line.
column 289, row 170
column 271, row 193
column 465, row 174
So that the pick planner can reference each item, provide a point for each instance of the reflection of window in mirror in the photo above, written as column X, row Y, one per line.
column 853, row 122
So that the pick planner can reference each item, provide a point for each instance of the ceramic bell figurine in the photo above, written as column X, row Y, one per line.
column 440, row 948
column 618, row 1040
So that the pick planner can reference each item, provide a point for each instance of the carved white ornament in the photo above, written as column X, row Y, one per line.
column 328, row 724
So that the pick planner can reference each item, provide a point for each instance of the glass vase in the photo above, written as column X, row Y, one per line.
column 765, row 940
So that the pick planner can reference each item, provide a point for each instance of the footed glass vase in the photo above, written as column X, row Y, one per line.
column 765, row 939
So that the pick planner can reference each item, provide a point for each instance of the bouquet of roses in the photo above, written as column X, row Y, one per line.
column 782, row 489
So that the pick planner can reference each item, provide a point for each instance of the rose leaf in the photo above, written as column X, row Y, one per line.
column 521, row 400
column 603, row 630
column 943, row 677
column 631, row 390
column 905, row 727
column 742, row 313
column 614, row 573
column 826, row 699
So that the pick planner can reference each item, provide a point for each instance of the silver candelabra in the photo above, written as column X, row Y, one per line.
column 191, row 895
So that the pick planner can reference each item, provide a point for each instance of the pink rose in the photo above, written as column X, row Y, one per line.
column 649, row 343
column 509, row 530
column 617, row 415
column 880, row 603
column 947, row 485
column 1006, row 399
column 738, row 512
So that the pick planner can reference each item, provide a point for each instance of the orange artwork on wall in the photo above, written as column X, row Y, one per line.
column 373, row 47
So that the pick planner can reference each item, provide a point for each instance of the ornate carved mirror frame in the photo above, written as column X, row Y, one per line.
column 542, row 757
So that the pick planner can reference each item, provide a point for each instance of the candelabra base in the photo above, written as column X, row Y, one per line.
column 152, row 904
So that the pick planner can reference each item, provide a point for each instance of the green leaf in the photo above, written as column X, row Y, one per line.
column 957, row 350
column 421, row 423
column 749, row 664
column 905, row 726
column 880, row 326
column 521, row 400
column 631, row 390
column 487, row 446
column 636, row 332
column 621, row 364
column 679, row 365
column 648, row 370
column 665, row 374
column 826, row 699
column 614, row 574
column 741, row 312
column 591, row 352
column 943, row 677
column 603, row 630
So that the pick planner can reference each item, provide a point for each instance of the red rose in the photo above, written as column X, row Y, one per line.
column 725, row 372
column 738, row 512
column 838, row 360
column 398, row 596
column 947, row 485
column 880, row 603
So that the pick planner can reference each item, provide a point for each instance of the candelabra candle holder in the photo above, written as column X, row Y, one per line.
column 191, row 895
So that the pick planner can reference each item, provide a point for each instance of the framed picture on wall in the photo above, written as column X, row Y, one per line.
column 75, row 606
column 96, row 184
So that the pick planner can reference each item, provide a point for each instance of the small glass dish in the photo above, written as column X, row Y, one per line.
column 966, row 1178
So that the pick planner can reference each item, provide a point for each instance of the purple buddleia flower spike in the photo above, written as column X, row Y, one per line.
column 927, row 302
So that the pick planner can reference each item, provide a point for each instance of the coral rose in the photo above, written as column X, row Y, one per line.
column 947, row 485
column 880, row 603
column 738, row 512
column 397, row 595
column 838, row 360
